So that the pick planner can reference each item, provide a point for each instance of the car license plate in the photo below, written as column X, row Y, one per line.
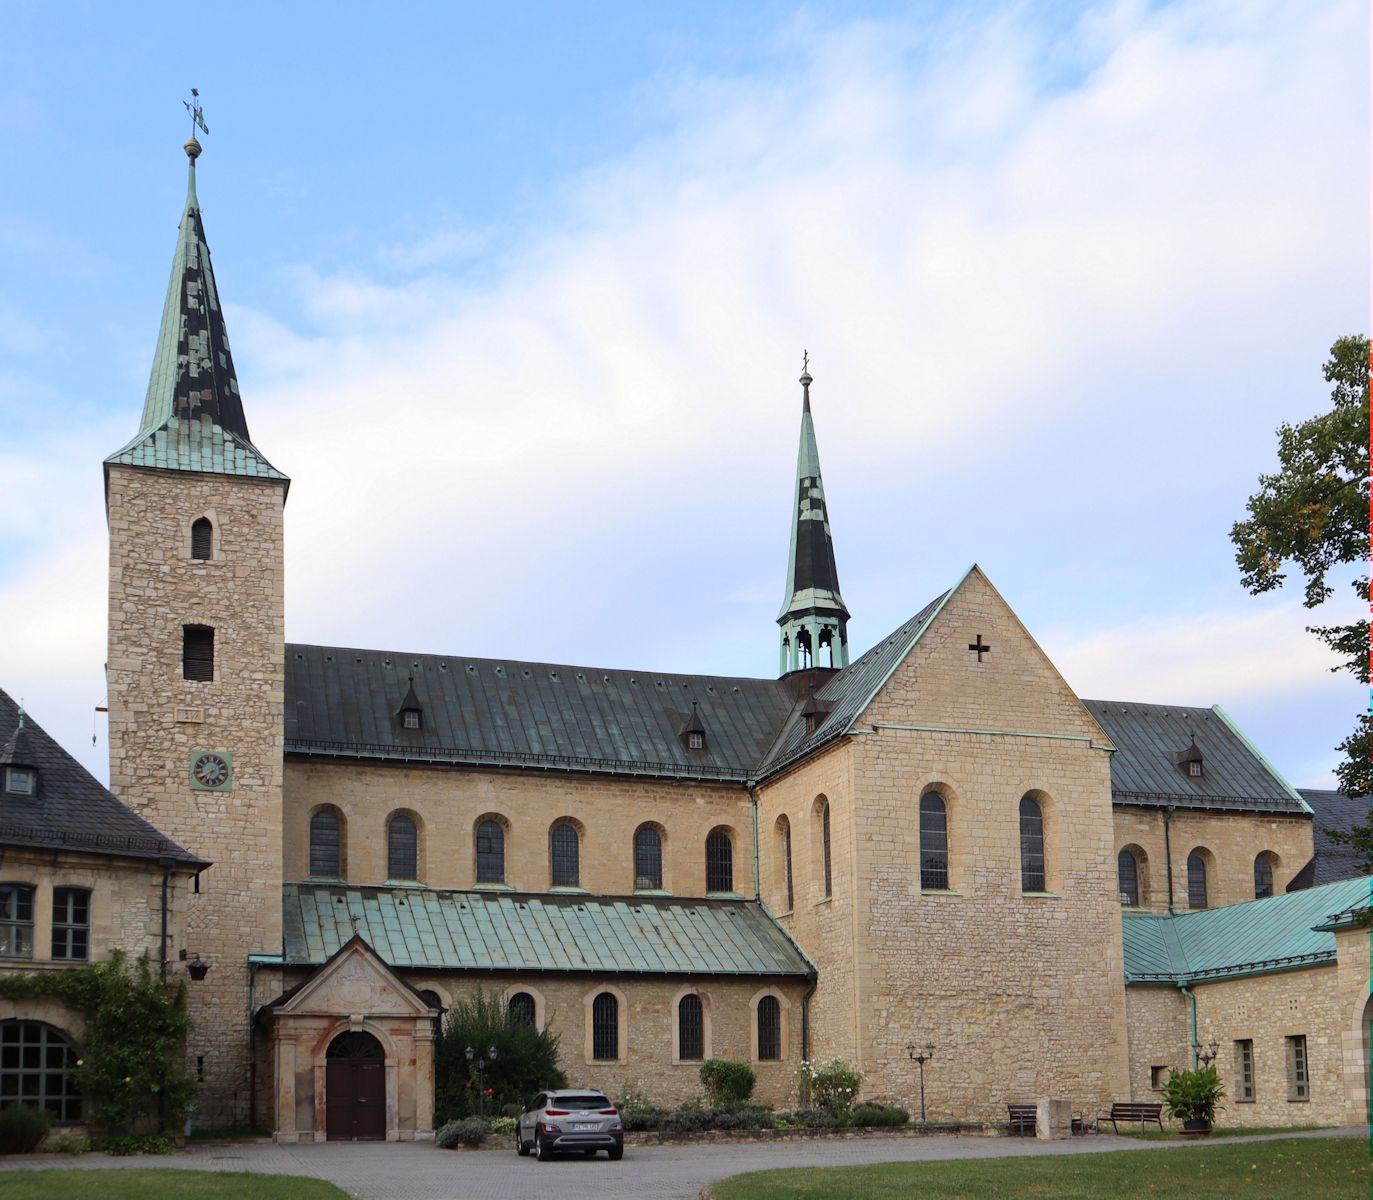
column 585, row 1127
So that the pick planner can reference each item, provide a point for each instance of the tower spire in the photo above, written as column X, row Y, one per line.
column 193, row 416
column 813, row 617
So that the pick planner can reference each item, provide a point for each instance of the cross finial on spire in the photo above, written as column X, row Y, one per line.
column 197, row 122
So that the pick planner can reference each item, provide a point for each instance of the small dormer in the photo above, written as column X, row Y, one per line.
column 814, row 713
column 18, row 776
column 20, row 781
column 1190, row 761
column 410, row 714
column 694, row 735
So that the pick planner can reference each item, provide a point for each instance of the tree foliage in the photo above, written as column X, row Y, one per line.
column 1313, row 513
column 526, row 1059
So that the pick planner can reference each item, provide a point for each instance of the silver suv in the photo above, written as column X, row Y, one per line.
column 570, row 1122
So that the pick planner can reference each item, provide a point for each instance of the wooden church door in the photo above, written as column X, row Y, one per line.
column 355, row 1088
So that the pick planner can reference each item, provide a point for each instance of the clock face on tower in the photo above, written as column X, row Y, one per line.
column 211, row 770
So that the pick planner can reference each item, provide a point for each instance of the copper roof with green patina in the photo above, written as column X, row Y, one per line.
column 1277, row 933
column 511, row 931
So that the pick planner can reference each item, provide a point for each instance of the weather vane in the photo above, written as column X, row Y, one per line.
column 197, row 113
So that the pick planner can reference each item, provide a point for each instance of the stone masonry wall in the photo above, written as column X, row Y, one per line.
column 1233, row 840
column 1021, row 994
column 1160, row 1037
column 157, row 719
column 447, row 804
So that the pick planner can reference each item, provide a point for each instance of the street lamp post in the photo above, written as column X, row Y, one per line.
column 921, row 1060
column 481, row 1064
column 1204, row 1056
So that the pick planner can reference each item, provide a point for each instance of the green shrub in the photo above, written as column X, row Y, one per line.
column 728, row 1084
column 829, row 1086
column 749, row 1117
column 511, row 1110
column 1193, row 1095
column 67, row 1143
column 526, row 1059
column 503, row 1124
column 687, row 1120
column 636, row 1120
column 138, row 1143
column 874, row 1114
column 22, row 1128
column 811, row 1118
column 468, row 1131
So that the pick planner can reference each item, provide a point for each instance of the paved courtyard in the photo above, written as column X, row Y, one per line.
column 408, row 1171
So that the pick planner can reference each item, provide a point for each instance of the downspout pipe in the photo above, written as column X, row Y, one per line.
column 805, row 1018
column 1192, row 1002
column 167, row 865
column 1168, row 860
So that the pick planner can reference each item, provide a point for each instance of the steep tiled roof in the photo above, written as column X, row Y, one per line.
column 1274, row 934
column 482, row 711
column 1334, row 810
column 486, row 931
column 1146, row 736
column 70, row 810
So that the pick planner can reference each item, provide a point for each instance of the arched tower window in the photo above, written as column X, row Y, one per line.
column 648, row 859
column 605, row 1027
column 827, row 874
column 691, row 1029
column 1127, row 876
column 934, row 843
column 202, row 539
column 1196, row 880
column 490, row 847
column 402, row 848
column 521, row 1008
column 564, row 852
column 769, row 1029
column 719, row 861
column 1031, row 845
column 1263, row 875
column 326, row 845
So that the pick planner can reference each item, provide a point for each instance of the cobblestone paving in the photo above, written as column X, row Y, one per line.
column 409, row 1171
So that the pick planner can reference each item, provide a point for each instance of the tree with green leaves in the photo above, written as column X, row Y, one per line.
column 1314, row 513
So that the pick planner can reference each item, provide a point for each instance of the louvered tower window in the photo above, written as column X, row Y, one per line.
column 202, row 539
column 648, row 859
column 325, row 845
column 490, row 852
column 605, row 1027
column 691, row 1029
column 402, row 848
column 198, row 653
column 934, row 843
column 1196, row 880
column 1031, row 845
column 564, row 853
column 769, row 1029
column 719, row 861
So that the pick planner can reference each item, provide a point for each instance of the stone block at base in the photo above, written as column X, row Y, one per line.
column 1053, row 1120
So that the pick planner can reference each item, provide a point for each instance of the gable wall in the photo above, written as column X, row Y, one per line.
column 448, row 802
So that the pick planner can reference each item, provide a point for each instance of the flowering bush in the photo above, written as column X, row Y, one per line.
column 830, row 1086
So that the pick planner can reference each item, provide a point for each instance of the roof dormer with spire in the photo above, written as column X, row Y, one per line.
column 814, row 619
column 193, row 415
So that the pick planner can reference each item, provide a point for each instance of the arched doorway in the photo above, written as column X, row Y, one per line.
column 355, row 1088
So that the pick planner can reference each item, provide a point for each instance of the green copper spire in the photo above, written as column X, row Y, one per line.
column 813, row 615
column 192, row 415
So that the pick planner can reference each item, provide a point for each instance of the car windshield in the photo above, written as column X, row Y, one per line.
column 578, row 1102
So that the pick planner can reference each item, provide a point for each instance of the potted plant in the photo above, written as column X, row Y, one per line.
column 1192, row 1097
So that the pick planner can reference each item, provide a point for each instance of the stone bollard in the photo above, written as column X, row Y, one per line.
column 1053, row 1119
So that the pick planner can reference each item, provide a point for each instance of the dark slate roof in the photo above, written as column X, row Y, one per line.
column 509, row 931
column 495, row 712
column 1335, row 810
column 70, row 810
column 1146, row 736
column 1278, row 933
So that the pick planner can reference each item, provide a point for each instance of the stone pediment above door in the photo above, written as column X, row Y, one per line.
column 355, row 981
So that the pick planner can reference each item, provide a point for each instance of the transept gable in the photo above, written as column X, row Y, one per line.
column 354, row 980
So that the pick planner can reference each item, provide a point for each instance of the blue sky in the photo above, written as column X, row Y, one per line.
column 518, row 300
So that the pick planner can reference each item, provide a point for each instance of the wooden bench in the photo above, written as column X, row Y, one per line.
column 1023, row 1117
column 1134, row 1110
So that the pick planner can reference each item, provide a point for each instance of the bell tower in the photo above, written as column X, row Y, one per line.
column 196, row 655
column 814, row 621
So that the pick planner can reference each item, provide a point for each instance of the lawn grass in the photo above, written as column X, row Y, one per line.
column 1229, row 1131
column 140, row 1183
column 1312, row 1168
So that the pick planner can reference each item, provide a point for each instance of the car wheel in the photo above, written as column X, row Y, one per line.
column 542, row 1151
column 521, row 1146
column 615, row 1153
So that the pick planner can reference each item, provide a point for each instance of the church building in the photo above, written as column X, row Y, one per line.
column 932, row 842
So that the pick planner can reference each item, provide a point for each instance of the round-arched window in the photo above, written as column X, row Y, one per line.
column 36, row 1061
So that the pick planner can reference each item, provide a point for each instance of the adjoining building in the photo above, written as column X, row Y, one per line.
column 930, row 842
